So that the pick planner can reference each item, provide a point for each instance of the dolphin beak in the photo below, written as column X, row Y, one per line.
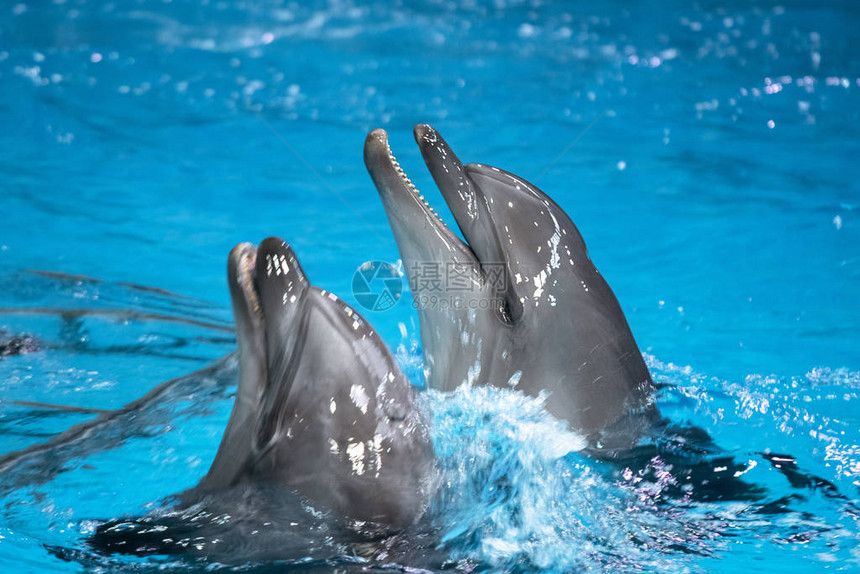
column 411, row 217
column 420, row 234
column 266, row 285
column 449, row 174
column 465, row 199
column 234, row 451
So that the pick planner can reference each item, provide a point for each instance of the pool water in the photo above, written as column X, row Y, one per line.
column 707, row 152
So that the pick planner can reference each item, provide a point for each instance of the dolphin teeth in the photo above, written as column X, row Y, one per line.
column 399, row 170
column 411, row 186
column 250, row 288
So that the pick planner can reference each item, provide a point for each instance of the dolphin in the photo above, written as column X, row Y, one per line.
column 325, row 450
column 321, row 407
column 519, row 303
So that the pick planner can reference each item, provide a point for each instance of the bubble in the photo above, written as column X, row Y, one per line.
column 526, row 30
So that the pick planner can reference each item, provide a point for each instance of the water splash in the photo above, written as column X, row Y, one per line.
column 516, row 495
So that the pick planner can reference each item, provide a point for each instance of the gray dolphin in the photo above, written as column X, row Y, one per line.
column 321, row 406
column 519, row 303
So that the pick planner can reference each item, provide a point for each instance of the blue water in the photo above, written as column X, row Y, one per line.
column 707, row 152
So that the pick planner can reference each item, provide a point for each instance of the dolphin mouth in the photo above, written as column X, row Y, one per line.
column 262, row 280
column 422, row 236
column 377, row 147
column 243, row 280
column 401, row 197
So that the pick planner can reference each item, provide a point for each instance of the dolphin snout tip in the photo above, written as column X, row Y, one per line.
column 378, row 135
column 240, row 250
column 421, row 131
column 273, row 243
column 375, row 150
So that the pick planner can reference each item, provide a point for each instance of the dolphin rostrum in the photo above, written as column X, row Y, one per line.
column 519, row 303
column 321, row 406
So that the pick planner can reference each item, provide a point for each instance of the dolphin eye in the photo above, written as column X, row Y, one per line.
column 505, row 312
column 395, row 410
column 395, row 406
column 510, row 310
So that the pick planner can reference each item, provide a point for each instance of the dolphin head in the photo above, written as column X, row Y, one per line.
column 321, row 405
column 536, row 314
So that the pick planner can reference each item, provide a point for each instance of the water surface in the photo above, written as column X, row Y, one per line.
column 705, row 151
